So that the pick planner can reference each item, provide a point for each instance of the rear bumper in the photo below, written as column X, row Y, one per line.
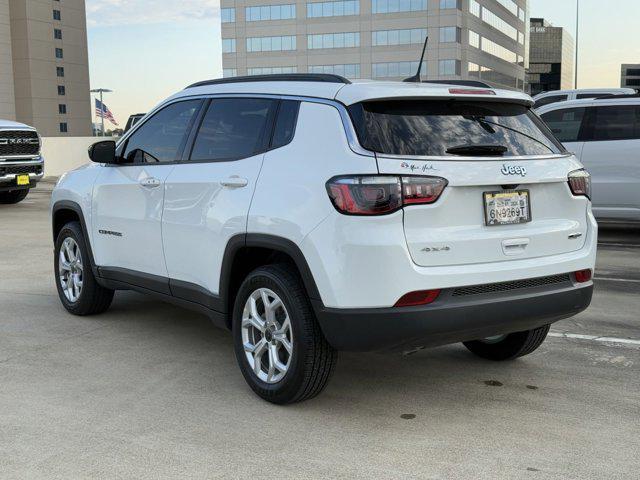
column 451, row 319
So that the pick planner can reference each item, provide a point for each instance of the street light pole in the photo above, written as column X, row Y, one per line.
column 577, row 38
column 101, row 91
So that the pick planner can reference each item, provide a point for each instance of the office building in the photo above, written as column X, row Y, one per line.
column 630, row 76
column 551, row 58
column 380, row 39
column 44, row 68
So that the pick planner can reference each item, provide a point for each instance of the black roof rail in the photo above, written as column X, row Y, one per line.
column 276, row 77
column 464, row 83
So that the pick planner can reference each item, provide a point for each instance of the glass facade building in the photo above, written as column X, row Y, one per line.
column 485, row 39
column 551, row 58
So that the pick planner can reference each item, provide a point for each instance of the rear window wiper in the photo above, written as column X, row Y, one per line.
column 478, row 150
column 485, row 123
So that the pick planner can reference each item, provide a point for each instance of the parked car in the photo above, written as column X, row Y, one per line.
column 605, row 136
column 547, row 98
column 21, row 165
column 310, row 214
column 133, row 119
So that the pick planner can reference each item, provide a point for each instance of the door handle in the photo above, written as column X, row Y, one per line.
column 234, row 181
column 150, row 182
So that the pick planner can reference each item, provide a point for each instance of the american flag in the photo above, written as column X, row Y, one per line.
column 102, row 111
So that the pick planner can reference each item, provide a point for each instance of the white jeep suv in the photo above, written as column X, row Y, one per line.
column 310, row 214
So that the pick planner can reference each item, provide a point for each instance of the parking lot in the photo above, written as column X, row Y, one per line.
column 148, row 390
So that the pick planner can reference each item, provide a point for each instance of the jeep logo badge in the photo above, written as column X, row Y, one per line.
column 513, row 170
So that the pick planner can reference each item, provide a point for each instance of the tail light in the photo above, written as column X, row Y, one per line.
column 583, row 276
column 421, row 297
column 580, row 183
column 382, row 194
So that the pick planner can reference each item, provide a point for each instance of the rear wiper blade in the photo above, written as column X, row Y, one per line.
column 478, row 150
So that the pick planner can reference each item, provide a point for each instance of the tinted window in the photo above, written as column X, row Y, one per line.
column 286, row 123
column 565, row 124
column 432, row 127
column 615, row 122
column 549, row 100
column 233, row 128
column 161, row 138
column 593, row 95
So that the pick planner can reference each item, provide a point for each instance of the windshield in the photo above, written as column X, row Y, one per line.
column 448, row 128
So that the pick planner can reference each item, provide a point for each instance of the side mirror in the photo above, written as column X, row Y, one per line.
column 103, row 152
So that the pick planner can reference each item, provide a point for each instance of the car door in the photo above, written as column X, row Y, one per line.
column 208, row 197
column 128, row 197
column 612, row 156
column 567, row 124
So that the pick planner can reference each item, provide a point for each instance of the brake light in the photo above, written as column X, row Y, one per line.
column 421, row 297
column 382, row 194
column 583, row 276
column 470, row 91
column 580, row 183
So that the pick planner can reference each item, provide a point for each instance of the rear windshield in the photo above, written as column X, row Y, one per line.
column 430, row 128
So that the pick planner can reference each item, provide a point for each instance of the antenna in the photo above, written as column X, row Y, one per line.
column 416, row 78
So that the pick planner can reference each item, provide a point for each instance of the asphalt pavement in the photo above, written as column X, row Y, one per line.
column 148, row 390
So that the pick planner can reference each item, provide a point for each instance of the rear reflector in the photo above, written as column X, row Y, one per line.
column 470, row 91
column 583, row 276
column 421, row 297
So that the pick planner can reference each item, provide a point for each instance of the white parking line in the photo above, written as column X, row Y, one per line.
column 595, row 338
column 613, row 279
column 623, row 245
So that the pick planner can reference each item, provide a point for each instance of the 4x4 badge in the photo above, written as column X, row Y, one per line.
column 513, row 170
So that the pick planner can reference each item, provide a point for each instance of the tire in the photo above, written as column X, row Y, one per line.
column 92, row 298
column 311, row 361
column 514, row 345
column 13, row 196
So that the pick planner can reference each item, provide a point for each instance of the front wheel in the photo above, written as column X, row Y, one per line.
column 78, row 289
column 510, row 346
column 279, row 346
column 13, row 196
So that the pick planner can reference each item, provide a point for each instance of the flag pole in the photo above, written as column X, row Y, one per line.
column 101, row 91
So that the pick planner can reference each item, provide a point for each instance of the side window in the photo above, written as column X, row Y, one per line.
column 619, row 122
column 592, row 95
column 285, row 123
column 234, row 128
column 565, row 123
column 549, row 100
column 162, row 137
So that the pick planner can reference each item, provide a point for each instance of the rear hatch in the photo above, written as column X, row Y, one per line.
column 507, row 195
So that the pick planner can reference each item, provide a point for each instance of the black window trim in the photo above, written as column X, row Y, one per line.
column 187, row 148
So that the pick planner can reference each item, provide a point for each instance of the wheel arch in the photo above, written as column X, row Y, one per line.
column 65, row 211
column 245, row 252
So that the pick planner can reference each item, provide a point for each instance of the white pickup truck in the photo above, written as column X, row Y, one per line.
column 21, row 165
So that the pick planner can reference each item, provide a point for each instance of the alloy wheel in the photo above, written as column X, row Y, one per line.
column 70, row 269
column 267, row 336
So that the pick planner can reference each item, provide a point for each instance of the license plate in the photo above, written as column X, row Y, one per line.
column 22, row 179
column 507, row 207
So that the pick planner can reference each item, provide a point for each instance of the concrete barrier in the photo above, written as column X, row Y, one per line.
column 62, row 154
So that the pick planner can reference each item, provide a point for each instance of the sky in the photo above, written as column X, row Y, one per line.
column 145, row 50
